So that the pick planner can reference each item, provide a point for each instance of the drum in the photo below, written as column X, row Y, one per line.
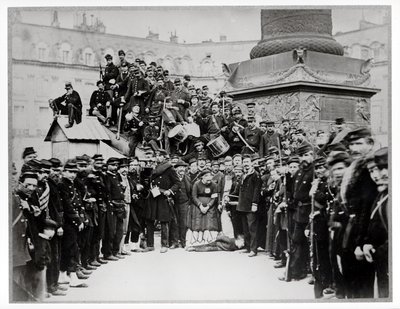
column 192, row 129
column 218, row 146
column 178, row 132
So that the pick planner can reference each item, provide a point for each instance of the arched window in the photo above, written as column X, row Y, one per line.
column 130, row 56
column 168, row 64
column 149, row 57
column 42, row 51
column 88, row 56
column 65, row 52
column 185, row 65
column 207, row 67
column 365, row 53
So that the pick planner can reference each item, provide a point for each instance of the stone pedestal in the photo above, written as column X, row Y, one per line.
column 297, row 72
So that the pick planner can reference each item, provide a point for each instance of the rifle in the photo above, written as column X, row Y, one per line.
column 119, row 123
column 101, row 72
column 286, row 219
column 162, row 123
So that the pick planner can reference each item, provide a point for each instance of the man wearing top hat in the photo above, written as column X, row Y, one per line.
column 163, row 186
column 270, row 138
column 358, row 192
column 68, row 104
column 137, row 91
column 73, row 224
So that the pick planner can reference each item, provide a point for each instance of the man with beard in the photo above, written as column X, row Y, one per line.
column 115, row 214
column 69, row 104
column 236, row 127
column 137, row 91
column 182, row 199
column 168, row 84
column 164, row 185
column 151, row 80
column 85, row 236
column 157, row 98
column 122, row 60
column 302, row 205
column 180, row 95
column 249, row 195
column 55, row 170
column 358, row 192
column 100, row 103
column 73, row 224
column 129, row 188
column 285, row 128
column 28, row 281
column 323, row 197
column 49, row 197
column 121, row 82
column 337, row 162
column 376, row 241
column 213, row 124
column 204, row 98
column 253, row 136
column 97, row 190
column 270, row 138
column 224, row 190
column 110, row 74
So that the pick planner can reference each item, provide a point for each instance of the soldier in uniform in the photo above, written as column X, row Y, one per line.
column 137, row 92
column 236, row 127
column 97, row 189
column 134, row 127
column 69, row 104
column 205, row 100
column 320, row 262
column 122, row 60
column 151, row 133
column 100, row 103
column 214, row 124
column 110, row 74
column 116, row 212
column 376, row 241
column 302, row 205
column 49, row 195
column 168, row 84
column 252, row 135
column 270, row 138
column 157, row 98
column 164, row 185
column 358, row 192
column 73, row 224
column 121, row 82
column 249, row 197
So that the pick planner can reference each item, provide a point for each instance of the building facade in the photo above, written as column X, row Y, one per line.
column 43, row 58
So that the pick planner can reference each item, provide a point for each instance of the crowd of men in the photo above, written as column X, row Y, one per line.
column 317, row 204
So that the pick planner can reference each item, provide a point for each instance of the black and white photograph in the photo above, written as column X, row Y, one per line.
column 199, row 154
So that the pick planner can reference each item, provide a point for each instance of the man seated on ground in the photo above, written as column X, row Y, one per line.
column 222, row 243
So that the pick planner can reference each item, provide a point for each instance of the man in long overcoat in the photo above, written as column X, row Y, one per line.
column 164, row 185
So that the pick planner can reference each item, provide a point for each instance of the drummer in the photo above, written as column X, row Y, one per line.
column 171, row 118
column 214, row 124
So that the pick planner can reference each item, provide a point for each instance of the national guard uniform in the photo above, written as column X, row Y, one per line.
column 151, row 133
column 134, row 129
column 158, row 208
column 99, row 97
column 132, row 95
column 234, row 140
column 72, row 106
column 253, row 136
column 268, row 140
column 73, row 218
column 110, row 72
column 117, row 212
column 121, row 83
column 322, row 268
column 97, row 189
column 302, row 204
column 156, row 101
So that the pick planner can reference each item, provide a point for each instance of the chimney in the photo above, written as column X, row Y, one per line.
column 173, row 38
column 222, row 38
column 152, row 36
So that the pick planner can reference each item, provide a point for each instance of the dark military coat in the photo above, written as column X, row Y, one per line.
column 249, row 193
column 99, row 97
column 165, row 177
column 253, row 137
column 72, row 202
column 301, row 188
column 110, row 72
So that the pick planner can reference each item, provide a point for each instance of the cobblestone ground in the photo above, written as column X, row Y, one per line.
column 181, row 276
